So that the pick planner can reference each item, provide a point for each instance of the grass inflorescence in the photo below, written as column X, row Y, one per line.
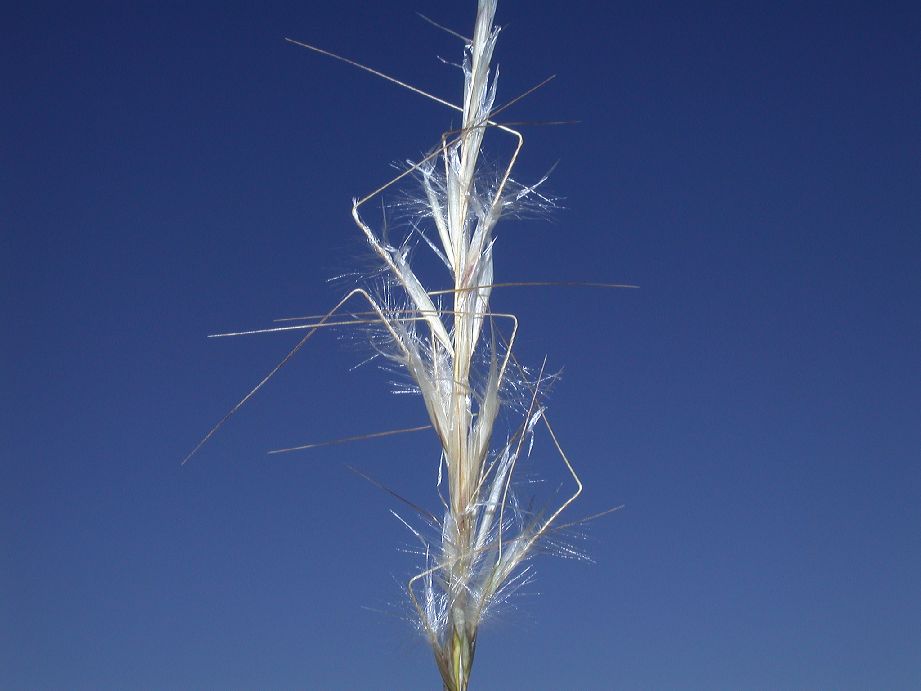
column 459, row 357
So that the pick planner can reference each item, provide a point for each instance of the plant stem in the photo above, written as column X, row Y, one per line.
column 455, row 660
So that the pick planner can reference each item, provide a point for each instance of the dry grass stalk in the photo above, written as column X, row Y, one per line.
column 475, row 558
column 461, row 365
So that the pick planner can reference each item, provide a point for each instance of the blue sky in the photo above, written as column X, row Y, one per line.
column 172, row 171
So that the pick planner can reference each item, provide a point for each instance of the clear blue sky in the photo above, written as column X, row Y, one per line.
column 173, row 170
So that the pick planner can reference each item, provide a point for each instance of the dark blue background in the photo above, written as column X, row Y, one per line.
column 171, row 170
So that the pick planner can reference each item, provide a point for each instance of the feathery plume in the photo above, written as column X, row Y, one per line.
column 451, row 345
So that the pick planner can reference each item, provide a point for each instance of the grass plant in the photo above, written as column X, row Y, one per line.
column 458, row 354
